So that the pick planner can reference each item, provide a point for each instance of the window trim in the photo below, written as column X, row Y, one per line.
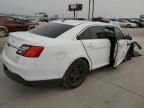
column 120, row 31
column 76, row 37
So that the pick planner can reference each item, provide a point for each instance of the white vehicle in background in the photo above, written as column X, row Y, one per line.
column 115, row 24
column 42, row 16
column 64, row 51
column 127, row 24
column 37, row 21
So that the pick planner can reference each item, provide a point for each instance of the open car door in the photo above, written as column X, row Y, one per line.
column 122, row 47
column 120, row 51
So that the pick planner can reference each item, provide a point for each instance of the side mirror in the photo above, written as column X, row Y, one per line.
column 128, row 37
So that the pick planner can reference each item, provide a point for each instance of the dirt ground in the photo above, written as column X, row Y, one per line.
column 138, row 32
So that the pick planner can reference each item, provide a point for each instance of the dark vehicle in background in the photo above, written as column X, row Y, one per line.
column 11, row 24
column 142, row 22
column 100, row 19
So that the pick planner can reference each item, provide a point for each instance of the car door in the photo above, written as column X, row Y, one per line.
column 97, row 45
column 121, row 48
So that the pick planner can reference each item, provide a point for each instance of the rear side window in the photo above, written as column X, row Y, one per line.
column 85, row 35
column 94, row 32
column 52, row 30
column 97, row 33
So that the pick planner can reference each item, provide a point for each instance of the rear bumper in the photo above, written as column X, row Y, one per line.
column 30, row 71
column 17, row 78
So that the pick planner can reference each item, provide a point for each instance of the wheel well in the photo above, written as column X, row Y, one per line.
column 4, row 28
column 85, row 60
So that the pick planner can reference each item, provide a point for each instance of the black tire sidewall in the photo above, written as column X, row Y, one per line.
column 66, row 79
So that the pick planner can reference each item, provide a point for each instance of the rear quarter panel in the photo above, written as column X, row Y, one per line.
column 58, row 55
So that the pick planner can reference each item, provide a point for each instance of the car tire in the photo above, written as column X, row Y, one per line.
column 129, row 53
column 128, row 26
column 3, row 33
column 75, row 74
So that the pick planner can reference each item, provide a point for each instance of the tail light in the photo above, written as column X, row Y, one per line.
column 30, row 51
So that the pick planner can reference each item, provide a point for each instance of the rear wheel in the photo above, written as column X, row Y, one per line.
column 76, row 74
column 3, row 33
column 128, row 26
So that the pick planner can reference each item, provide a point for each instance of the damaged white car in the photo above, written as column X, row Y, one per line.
column 64, row 52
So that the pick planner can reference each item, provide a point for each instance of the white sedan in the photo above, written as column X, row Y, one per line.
column 125, row 23
column 64, row 52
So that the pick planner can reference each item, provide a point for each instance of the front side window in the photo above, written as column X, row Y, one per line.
column 118, row 34
column 109, row 32
column 52, row 30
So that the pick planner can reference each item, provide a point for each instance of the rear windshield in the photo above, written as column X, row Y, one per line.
column 52, row 30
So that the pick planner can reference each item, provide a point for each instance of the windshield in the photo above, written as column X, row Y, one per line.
column 52, row 30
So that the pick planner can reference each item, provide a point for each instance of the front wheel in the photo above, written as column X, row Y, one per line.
column 76, row 74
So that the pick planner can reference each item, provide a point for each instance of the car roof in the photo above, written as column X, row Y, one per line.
column 79, row 22
column 78, row 27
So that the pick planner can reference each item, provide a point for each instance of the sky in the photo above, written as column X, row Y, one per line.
column 105, row 8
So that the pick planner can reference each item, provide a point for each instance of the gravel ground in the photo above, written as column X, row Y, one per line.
column 138, row 32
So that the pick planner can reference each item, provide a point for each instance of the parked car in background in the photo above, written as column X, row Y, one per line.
column 115, row 23
column 136, row 21
column 10, row 24
column 142, row 22
column 21, row 18
column 127, row 24
column 42, row 16
column 100, row 19
column 64, row 51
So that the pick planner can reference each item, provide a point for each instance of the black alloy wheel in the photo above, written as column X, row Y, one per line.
column 76, row 74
